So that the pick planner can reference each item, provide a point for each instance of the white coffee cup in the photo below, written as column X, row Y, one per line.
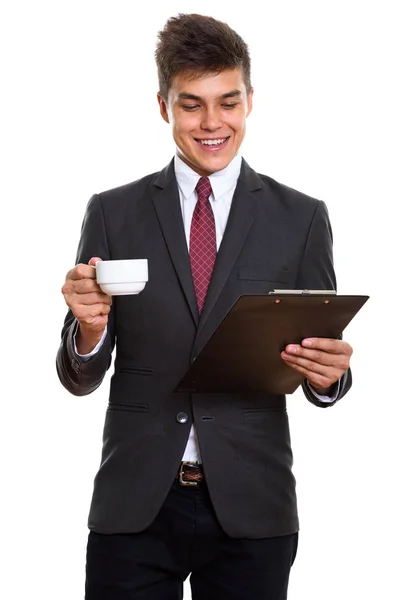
column 122, row 277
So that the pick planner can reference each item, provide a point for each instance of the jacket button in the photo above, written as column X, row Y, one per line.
column 182, row 417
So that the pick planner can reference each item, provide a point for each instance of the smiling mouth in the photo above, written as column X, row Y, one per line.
column 212, row 142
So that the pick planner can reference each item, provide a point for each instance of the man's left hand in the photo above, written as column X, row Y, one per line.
column 322, row 361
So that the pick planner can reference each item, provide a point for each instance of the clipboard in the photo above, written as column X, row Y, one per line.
column 243, row 354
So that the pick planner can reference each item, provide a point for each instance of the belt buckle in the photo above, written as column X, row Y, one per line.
column 181, row 474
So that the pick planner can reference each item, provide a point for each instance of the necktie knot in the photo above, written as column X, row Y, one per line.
column 203, row 188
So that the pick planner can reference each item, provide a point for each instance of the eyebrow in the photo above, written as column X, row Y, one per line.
column 186, row 96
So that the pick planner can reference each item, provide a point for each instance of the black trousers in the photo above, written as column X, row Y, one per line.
column 186, row 538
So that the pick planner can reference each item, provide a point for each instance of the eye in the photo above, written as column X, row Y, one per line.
column 230, row 105
column 190, row 107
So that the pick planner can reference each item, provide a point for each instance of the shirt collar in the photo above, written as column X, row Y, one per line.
column 221, row 181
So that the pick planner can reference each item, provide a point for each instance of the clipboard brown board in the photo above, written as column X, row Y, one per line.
column 243, row 354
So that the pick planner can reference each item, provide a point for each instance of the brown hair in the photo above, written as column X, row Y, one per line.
column 194, row 44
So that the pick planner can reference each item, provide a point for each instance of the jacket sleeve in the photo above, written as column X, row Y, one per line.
column 79, row 377
column 317, row 272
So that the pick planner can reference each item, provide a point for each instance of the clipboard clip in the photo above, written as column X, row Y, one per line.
column 303, row 292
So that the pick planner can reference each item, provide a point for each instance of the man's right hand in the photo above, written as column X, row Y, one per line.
column 89, row 305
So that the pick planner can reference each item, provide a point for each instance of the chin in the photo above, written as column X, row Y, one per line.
column 217, row 165
column 215, row 160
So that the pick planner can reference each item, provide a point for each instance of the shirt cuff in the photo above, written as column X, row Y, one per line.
column 327, row 399
column 86, row 357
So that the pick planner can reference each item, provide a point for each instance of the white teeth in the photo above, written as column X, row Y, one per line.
column 212, row 142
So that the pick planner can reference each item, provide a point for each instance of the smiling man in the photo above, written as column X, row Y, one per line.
column 197, row 484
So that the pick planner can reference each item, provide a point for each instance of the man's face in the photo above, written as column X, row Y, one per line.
column 208, row 117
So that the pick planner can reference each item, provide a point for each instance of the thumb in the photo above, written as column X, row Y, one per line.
column 94, row 260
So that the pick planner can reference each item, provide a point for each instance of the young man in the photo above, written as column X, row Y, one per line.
column 195, row 483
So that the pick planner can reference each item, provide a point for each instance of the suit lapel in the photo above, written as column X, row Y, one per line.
column 245, row 205
column 168, row 209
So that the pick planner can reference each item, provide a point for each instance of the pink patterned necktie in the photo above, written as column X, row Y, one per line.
column 203, row 244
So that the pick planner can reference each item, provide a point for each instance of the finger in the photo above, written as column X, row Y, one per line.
column 82, row 271
column 307, row 365
column 94, row 260
column 318, row 380
column 84, row 286
column 96, row 325
column 86, row 314
column 340, row 361
column 328, row 345
column 93, row 298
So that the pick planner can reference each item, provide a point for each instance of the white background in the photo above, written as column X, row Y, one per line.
column 79, row 115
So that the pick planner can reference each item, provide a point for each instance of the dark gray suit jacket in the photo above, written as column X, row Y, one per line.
column 275, row 237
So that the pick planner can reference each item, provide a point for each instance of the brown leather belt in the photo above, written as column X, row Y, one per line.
column 190, row 473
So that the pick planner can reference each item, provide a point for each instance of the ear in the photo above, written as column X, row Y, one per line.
column 249, row 102
column 163, row 107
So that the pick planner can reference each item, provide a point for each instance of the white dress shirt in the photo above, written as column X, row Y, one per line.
column 223, row 184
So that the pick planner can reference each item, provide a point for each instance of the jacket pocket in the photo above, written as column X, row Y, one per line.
column 134, row 407
column 265, row 273
column 136, row 370
column 263, row 409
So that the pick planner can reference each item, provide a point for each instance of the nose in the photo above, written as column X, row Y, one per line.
column 211, row 120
